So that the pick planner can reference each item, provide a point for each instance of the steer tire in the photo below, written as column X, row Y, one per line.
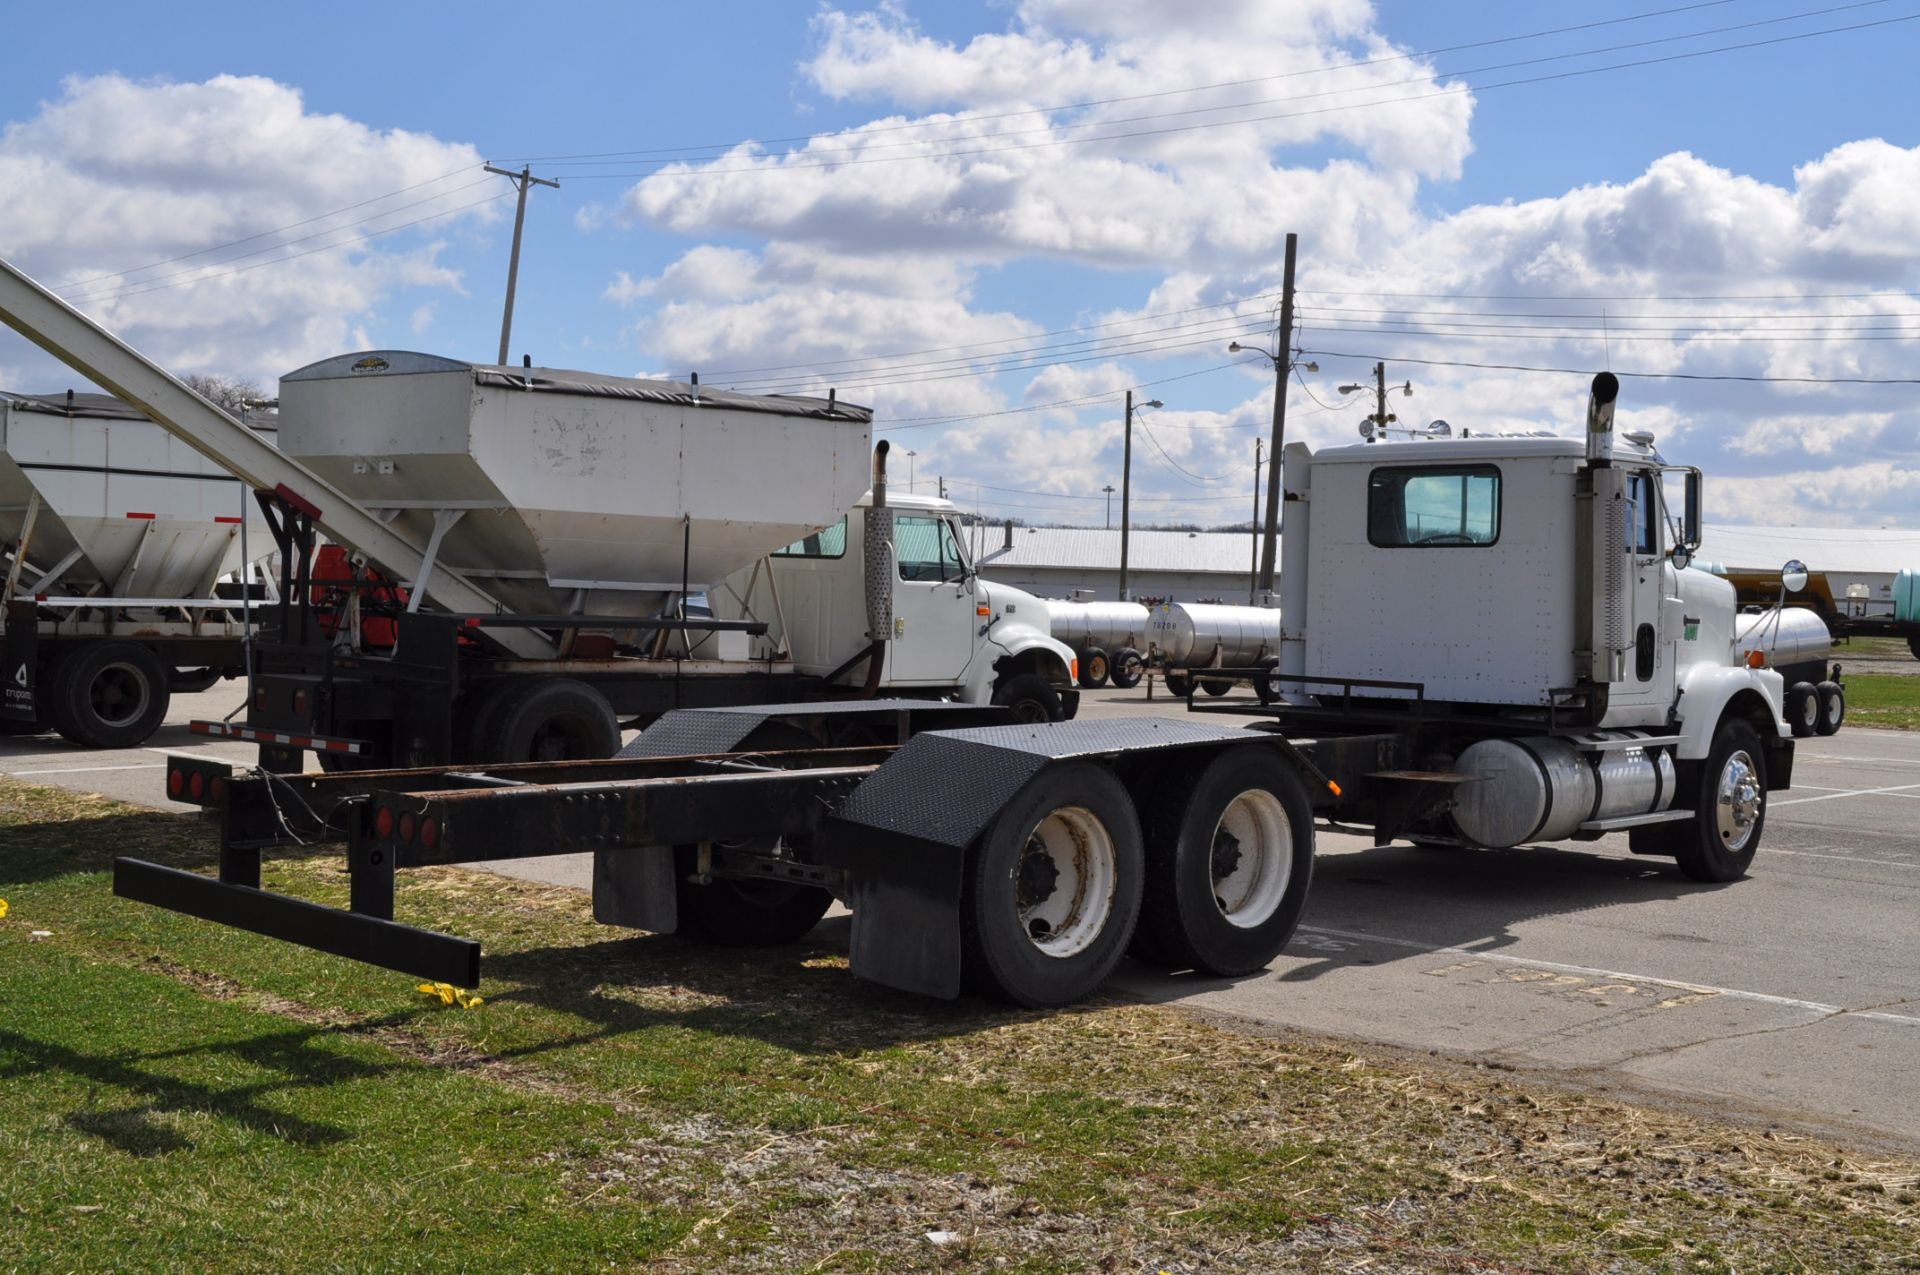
column 1021, row 938
column 1031, row 697
column 551, row 719
column 1833, row 708
column 1703, row 849
column 1801, row 708
column 109, row 695
column 1095, row 668
column 1247, row 793
column 1126, row 667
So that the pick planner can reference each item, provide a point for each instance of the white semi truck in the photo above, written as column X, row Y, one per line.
column 1491, row 642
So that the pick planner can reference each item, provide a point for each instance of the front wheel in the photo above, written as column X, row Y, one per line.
column 1730, row 807
column 1053, row 889
column 1031, row 697
column 1229, row 863
column 1833, row 708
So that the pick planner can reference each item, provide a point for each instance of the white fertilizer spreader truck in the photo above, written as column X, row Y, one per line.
column 1487, row 642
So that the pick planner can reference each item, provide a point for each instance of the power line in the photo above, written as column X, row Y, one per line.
column 1648, row 376
column 903, row 423
column 294, row 225
column 863, row 158
column 724, row 147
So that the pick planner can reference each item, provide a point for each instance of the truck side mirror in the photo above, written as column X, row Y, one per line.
column 1690, row 528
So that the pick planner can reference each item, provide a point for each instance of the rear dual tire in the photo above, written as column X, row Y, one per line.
column 1053, row 888
column 1229, row 865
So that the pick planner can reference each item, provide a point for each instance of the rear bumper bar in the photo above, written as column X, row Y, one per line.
column 281, row 738
column 443, row 958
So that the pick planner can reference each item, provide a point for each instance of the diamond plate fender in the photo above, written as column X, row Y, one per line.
column 697, row 732
column 904, row 834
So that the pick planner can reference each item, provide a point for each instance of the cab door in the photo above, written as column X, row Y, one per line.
column 933, row 613
column 1653, row 602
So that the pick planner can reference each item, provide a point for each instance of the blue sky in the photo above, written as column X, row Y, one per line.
column 926, row 276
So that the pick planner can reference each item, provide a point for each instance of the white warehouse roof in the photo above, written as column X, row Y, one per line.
column 1228, row 553
column 1853, row 550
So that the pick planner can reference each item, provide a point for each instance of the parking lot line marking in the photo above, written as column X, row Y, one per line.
column 81, row 770
column 1847, row 792
column 1845, row 858
column 1765, row 998
column 1817, row 758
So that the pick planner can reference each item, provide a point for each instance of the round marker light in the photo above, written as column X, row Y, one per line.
column 383, row 822
column 260, row 697
column 197, row 786
column 175, row 782
column 407, row 826
column 429, row 832
column 217, row 790
column 300, row 701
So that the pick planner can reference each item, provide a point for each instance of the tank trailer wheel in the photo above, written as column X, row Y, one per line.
column 1264, row 686
column 1801, row 708
column 1053, row 888
column 1833, row 708
column 109, row 695
column 1730, row 808
column 551, row 719
column 1229, row 863
column 1215, row 686
column 1179, row 683
column 1126, row 668
column 1031, row 697
column 1913, row 645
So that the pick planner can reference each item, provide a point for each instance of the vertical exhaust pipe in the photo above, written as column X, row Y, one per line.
column 1606, row 388
column 877, row 559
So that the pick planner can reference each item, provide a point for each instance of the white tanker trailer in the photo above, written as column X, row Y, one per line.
column 120, row 541
column 1796, row 641
column 1121, row 640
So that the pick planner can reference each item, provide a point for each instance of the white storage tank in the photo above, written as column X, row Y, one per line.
column 576, row 492
column 125, row 508
column 1185, row 634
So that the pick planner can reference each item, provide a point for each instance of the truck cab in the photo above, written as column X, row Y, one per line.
column 953, row 633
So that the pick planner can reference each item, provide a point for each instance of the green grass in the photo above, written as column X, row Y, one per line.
column 1883, row 699
column 176, row 1096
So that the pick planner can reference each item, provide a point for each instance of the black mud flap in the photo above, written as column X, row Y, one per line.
column 21, row 664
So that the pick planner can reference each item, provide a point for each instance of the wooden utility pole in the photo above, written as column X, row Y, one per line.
column 523, row 179
column 1282, row 365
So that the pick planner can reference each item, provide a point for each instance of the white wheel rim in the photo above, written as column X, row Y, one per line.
column 1739, row 801
column 1833, row 711
column 1064, row 882
column 1811, row 712
column 1252, row 858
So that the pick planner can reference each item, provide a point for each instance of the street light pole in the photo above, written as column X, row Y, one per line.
column 1253, row 567
column 910, row 456
column 1109, row 490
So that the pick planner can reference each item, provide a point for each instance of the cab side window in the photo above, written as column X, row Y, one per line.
column 926, row 549
column 1643, row 519
column 1433, row 506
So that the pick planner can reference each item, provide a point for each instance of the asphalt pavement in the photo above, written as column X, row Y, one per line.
column 1790, row 997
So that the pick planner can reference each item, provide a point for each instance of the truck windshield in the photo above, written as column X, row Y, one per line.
column 1421, row 506
column 926, row 548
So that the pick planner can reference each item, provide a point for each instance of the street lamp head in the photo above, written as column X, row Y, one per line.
column 1351, row 389
column 1311, row 367
column 1153, row 402
column 1235, row 348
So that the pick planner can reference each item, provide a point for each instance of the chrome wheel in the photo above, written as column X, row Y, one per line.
column 1064, row 883
column 1252, row 858
column 1738, row 800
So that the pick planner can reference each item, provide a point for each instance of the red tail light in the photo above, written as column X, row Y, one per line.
column 197, row 786
column 407, row 826
column 429, row 832
column 176, row 782
column 383, row 822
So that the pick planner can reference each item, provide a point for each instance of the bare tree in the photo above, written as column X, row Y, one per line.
column 232, row 393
